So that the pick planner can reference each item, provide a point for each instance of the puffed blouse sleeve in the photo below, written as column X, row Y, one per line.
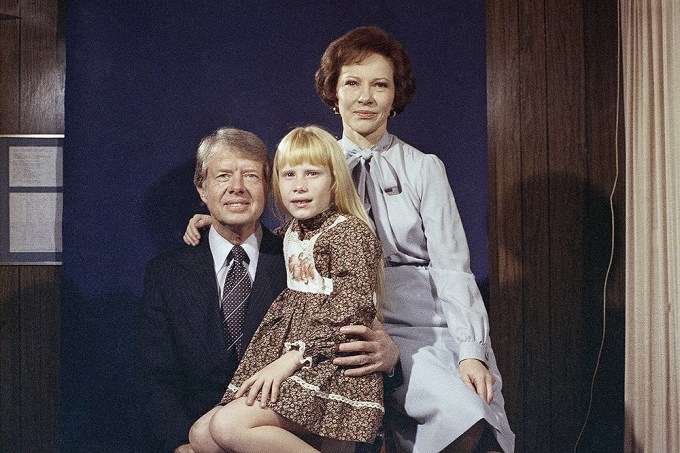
column 449, row 264
column 353, row 257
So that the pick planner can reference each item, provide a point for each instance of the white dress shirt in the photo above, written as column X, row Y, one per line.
column 220, row 248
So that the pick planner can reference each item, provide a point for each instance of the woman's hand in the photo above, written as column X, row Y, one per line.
column 476, row 376
column 269, row 379
column 192, row 236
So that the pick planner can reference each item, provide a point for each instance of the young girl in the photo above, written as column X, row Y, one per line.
column 333, row 265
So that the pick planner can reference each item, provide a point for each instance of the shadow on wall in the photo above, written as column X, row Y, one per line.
column 605, row 429
column 578, row 231
column 169, row 205
column 97, row 401
column 97, row 407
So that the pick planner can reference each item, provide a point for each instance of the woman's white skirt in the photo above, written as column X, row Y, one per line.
column 438, row 404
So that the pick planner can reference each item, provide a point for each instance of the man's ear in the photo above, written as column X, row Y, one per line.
column 201, row 193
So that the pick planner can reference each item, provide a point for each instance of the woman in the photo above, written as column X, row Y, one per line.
column 432, row 307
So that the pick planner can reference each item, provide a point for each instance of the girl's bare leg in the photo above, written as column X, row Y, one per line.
column 241, row 428
column 199, row 435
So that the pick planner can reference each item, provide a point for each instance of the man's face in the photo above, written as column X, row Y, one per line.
column 235, row 193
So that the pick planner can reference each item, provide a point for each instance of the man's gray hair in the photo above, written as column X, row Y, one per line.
column 243, row 144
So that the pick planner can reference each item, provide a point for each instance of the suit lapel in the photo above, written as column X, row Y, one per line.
column 203, row 311
column 270, row 279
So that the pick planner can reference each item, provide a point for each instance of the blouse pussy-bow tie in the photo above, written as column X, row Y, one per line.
column 375, row 177
column 379, row 176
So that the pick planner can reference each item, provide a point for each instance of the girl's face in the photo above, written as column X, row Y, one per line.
column 365, row 96
column 305, row 189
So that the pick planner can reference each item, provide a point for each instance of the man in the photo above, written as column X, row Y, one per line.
column 183, row 362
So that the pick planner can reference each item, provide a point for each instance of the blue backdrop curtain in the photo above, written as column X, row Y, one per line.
column 146, row 80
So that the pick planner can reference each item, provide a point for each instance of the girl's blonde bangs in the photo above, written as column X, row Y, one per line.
column 301, row 148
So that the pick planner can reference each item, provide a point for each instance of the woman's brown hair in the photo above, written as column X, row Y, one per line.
column 352, row 48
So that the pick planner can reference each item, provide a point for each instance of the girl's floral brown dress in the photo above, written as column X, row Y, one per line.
column 332, row 262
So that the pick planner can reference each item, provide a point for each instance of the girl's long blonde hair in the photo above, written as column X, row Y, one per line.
column 314, row 145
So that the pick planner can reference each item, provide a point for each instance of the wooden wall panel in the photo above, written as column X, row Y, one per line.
column 39, row 349
column 42, row 68
column 10, row 340
column 555, row 115
column 504, row 231
column 9, row 9
column 532, row 189
column 32, row 74
column 567, row 175
column 9, row 76
column 605, row 428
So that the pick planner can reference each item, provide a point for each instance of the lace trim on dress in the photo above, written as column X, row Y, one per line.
column 335, row 397
column 302, row 347
column 329, row 396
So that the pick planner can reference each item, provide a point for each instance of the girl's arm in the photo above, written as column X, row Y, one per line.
column 192, row 235
column 268, row 379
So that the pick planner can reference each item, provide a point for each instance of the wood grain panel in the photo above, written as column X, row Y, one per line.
column 9, row 76
column 42, row 69
column 605, row 428
column 504, row 160
column 533, row 192
column 567, row 163
column 555, row 116
column 10, row 398
column 9, row 9
column 40, row 321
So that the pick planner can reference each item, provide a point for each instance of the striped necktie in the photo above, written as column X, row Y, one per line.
column 235, row 298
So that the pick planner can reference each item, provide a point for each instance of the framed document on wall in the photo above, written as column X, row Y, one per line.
column 31, row 199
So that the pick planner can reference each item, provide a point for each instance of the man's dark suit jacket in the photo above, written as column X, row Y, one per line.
column 182, row 368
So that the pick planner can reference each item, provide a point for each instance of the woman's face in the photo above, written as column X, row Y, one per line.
column 365, row 95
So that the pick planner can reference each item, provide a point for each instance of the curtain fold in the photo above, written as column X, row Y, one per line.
column 650, row 40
